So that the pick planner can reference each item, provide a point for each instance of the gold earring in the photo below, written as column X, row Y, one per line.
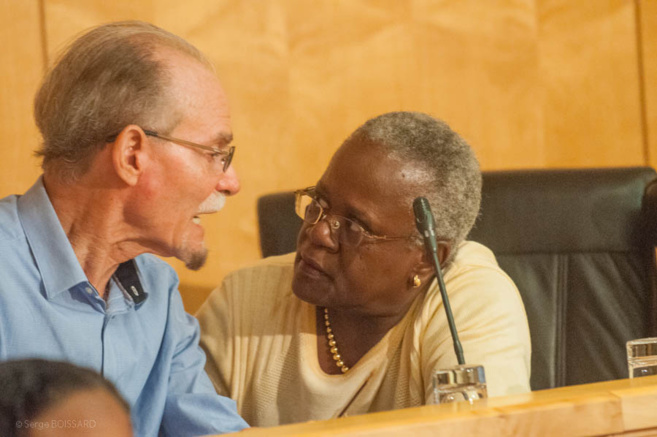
column 416, row 281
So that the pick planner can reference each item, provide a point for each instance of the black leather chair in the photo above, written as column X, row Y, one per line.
column 579, row 244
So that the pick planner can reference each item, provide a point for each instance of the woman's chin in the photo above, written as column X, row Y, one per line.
column 309, row 290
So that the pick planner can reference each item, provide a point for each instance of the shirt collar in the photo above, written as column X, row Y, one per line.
column 53, row 253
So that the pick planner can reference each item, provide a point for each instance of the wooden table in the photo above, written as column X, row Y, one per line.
column 622, row 407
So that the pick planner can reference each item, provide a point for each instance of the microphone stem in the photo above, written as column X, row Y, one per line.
column 448, row 309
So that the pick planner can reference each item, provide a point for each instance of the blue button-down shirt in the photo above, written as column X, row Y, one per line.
column 141, row 339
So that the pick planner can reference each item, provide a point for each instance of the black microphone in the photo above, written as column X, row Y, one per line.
column 426, row 225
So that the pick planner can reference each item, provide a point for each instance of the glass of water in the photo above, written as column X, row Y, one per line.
column 460, row 383
column 642, row 357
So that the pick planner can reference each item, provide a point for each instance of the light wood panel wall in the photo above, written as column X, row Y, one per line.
column 647, row 21
column 21, row 68
column 530, row 83
column 590, row 79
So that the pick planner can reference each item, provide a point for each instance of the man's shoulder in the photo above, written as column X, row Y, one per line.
column 10, row 227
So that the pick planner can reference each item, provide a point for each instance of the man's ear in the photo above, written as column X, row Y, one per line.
column 129, row 154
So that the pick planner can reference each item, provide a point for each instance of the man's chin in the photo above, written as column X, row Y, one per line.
column 195, row 260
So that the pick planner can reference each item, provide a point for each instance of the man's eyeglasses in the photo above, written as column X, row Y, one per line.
column 227, row 155
column 348, row 231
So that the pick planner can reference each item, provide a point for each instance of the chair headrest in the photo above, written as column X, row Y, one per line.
column 548, row 211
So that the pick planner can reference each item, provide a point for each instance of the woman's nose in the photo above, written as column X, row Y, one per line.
column 324, row 232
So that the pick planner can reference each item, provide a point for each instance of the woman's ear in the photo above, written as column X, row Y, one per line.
column 128, row 154
column 444, row 251
column 425, row 268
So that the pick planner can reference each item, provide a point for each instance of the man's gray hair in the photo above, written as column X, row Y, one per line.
column 453, row 185
column 105, row 80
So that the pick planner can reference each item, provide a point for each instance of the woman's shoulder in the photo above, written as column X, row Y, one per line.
column 272, row 266
column 475, row 269
column 252, row 292
column 269, row 277
column 471, row 253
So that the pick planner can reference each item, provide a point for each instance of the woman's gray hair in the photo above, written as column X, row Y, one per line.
column 105, row 80
column 454, row 179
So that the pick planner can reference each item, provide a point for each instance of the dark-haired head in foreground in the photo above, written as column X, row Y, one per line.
column 53, row 398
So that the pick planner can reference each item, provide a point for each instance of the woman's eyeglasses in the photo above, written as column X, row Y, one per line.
column 346, row 230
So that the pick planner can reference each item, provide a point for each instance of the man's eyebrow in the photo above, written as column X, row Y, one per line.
column 223, row 139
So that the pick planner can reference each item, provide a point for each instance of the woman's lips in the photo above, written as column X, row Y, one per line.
column 310, row 267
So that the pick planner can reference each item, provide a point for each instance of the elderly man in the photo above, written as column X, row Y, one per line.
column 136, row 147
column 353, row 321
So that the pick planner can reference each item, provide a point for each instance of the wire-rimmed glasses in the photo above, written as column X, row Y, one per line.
column 214, row 151
column 348, row 231
column 227, row 155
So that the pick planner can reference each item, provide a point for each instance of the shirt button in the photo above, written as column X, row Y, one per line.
column 89, row 290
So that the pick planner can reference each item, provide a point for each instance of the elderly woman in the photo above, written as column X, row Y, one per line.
column 353, row 321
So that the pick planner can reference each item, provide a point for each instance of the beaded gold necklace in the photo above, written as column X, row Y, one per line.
column 333, row 346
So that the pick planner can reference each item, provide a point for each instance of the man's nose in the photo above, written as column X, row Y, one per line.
column 229, row 183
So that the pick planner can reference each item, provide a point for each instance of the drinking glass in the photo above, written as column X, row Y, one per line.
column 459, row 383
column 642, row 357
